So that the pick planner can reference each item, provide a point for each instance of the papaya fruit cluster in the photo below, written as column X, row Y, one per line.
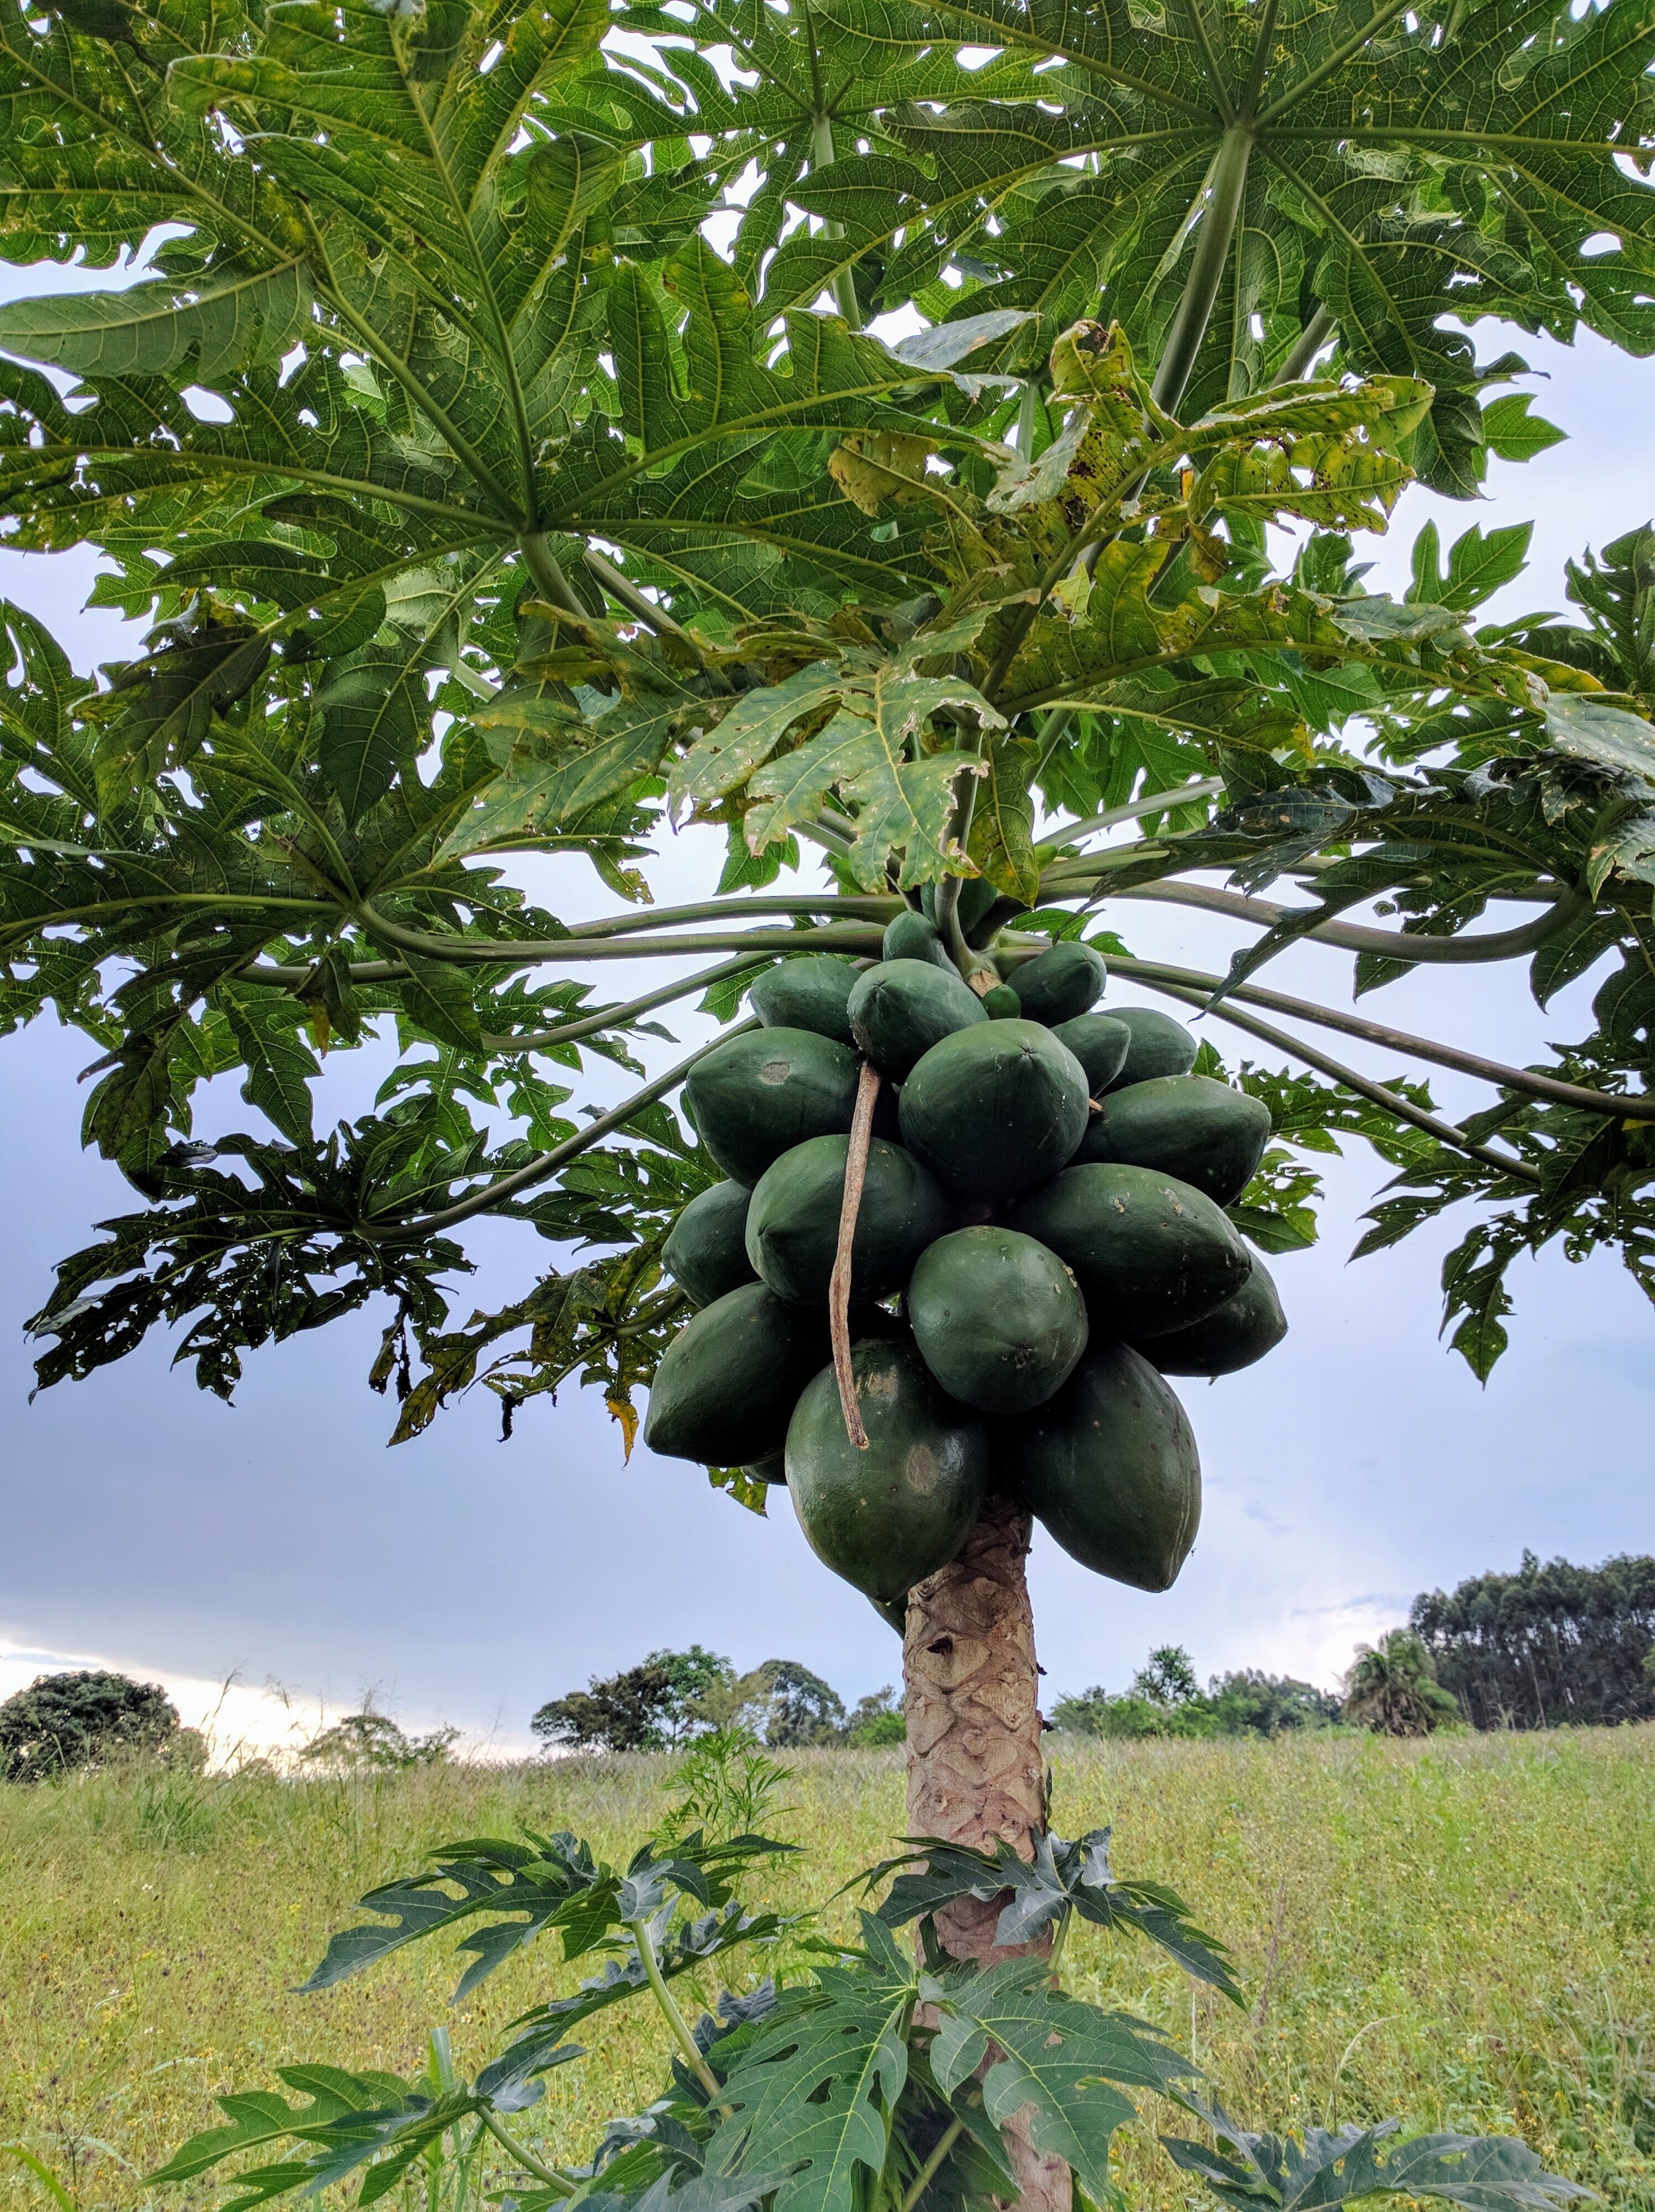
column 1040, row 1241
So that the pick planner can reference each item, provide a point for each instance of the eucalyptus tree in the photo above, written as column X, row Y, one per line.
column 501, row 448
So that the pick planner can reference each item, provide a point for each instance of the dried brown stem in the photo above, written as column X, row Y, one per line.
column 862, row 1132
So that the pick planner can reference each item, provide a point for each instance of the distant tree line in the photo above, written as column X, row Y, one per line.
column 1546, row 1646
column 1549, row 1646
column 1166, row 1699
column 672, row 1697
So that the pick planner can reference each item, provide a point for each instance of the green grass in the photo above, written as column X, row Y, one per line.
column 1460, row 1933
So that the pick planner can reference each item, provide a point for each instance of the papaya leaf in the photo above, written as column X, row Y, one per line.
column 545, row 1879
column 1001, row 841
column 436, row 1001
column 1514, row 433
column 235, row 319
column 1061, row 1876
column 546, row 788
column 1482, row 2173
column 811, row 2096
column 1053, row 2052
column 373, row 709
column 872, row 755
column 1594, row 730
column 722, row 760
column 280, row 1067
column 259, row 2118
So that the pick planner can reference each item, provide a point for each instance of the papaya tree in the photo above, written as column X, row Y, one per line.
column 506, row 449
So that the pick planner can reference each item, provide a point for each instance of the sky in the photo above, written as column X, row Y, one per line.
column 273, row 1563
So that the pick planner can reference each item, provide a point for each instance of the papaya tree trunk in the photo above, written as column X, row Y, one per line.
column 975, row 1770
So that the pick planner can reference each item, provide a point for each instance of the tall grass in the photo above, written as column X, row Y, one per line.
column 1459, row 1932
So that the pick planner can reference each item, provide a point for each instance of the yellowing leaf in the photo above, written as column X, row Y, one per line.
column 880, row 464
column 627, row 1414
column 871, row 754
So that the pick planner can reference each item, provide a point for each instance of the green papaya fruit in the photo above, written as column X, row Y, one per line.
column 1002, row 1004
column 913, row 936
column 999, row 1319
column 810, row 992
column 727, row 1384
column 1159, row 1045
column 977, row 896
column 893, row 1612
column 1232, row 1336
column 901, row 1008
column 1187, row 1126
column 793, row 1224
column 773, row 1467
column 1109, row 1468
column 706, row 1252
column 757, row 1096
column 886, row 1517
column 1099, row 1042
column 994, row 1111
column 1060, row 985
column 1151, row 1254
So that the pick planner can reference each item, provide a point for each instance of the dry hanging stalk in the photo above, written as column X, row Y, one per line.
column 861, row 1129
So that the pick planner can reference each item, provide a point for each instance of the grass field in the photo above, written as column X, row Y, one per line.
column 1461, row 1933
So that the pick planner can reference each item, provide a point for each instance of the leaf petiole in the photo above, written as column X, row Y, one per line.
column 553, row 2175
column 639, row 1930
column 927, row 2174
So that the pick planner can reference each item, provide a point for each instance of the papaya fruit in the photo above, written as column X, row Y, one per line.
column 706, row 1249
column 1002, row 1004
column 1151, row 1253
column 728, row 1381
column 901, row 1008
column 1062, row 984
column 1099, row 1042
column 1109, row 1468
column 1187, row 1126
column 773, row 1467
column 810, row 992
column 893, row 1612
column 977, row 896
column 756, row 1097
column 999, row 1319
column 886, row 1517
column 913, row 936
column 1159, row 1045
column 995, row 1109
column 792, row 1223
column 1232, row 1336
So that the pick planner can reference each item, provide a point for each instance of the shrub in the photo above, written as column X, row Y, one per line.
column 368, row 1742
column 67, row 1723
column 877, row 1722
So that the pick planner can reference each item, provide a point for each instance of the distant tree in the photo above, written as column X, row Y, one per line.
column 629, row 1711
column 1392, row 1689
column 691, row 1675
column 804, row 1709
column 1167, row 1678
column 876, row 1721
column 1095, row 1712
column 666, row 1698
column 1253, row 1703
column 1545, row 1645
column 1164, row 1700
column 66, row 1723
column 367, row 1742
